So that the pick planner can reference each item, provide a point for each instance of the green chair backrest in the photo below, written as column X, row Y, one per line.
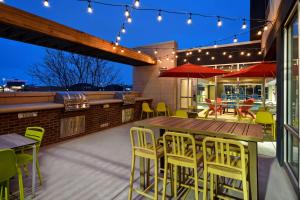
column 264, row 117
column 8, row 166
column 226, row 153
column 181, row 113
column 143, row 139
column 179, row 143
column 161, row 107
column 35, row 133
column 146, row 107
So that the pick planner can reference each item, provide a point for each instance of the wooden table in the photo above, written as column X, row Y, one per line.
column 15, row 141
column 251, row 133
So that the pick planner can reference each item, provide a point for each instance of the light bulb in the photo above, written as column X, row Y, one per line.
column 118, row 37
column 189, row 21
column 212, row 58
column 139, row 51
column 173, row 52
column 265, row 27
column 207, row 53
column 126, row 13
column 117, row 43
column 89, row 8
column 259, row 53
column 242, row 53
column 224, row 53
column 129, row 19
column 215, row 45
column 230, row 56
column 136, row 3
column 248, row 54
column 219, row 23
column 198, row 59
column 235, row 40
column 159, row 17
column 199, row 50
column 155, row 52
column 259, row 32
column 244, row 26
column 46, row 3
column 123, row 30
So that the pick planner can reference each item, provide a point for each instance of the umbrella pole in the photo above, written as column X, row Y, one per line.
column 263, row 92
column 216, row 95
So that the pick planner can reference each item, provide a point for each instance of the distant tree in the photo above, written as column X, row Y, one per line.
column 66, row 69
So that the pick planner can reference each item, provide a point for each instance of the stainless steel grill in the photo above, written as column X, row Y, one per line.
column 72, row 100
column 127, row 97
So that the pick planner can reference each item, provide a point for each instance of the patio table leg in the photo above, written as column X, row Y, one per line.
column 33, row 169
column 253, row 168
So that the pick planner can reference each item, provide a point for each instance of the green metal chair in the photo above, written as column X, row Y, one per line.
column 8, row 169
column 23, row 159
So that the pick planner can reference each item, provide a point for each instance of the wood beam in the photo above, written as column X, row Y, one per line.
column 20, row 20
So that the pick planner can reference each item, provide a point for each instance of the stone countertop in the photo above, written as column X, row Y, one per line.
column 50, row 105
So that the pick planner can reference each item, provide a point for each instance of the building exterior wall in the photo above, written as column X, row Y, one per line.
column 146, row 78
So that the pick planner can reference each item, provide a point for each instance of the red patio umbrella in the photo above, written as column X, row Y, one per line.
column 263, row 69
column 192, row 71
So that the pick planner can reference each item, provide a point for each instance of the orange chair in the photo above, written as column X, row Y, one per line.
column 211, row 108
column 244, row 110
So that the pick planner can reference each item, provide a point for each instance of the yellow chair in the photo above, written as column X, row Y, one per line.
column 266, row 118
column 180, row 151
column 181, row 114
column 23, row 159
column 8, row 169
column 227, row 160
column 162, row 108
column 145, row 146
column 146, row 109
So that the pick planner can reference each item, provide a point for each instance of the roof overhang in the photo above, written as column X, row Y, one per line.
column 22, row 26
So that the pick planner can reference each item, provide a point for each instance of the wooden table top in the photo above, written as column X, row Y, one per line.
column 214, row 128
column 13, row 140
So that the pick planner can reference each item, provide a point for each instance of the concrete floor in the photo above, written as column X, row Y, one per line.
column 97, row 167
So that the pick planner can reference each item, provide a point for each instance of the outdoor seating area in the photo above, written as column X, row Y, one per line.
column 200, row 103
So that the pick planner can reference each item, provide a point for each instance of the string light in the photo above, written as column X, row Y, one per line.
column 199, row 50
column 259, row 53
column 126, row 13
column 224, row 53
column 123, row 30
column 155, row 51
column 139, row 51
column 122, row 50
column 117, row 43
column 89, row 8
column 118, row 37
column 248, row 54
column 244, row 26
column 219, row 23
column 259, row 32
column 235, row 40
column 189, row 21
column 266, row 27
column 230, row 56
column 159, row 17
column 212, row 57
column 198, row 59
column 207, row 53
column 173, row 52
column 242, row 53
column 137, row 3
column 184, row 60
column 46, row 3
column 215, row 45
column 129, row 19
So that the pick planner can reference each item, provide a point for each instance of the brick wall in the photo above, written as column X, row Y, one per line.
column 96, row 118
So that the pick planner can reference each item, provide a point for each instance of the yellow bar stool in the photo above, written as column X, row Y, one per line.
column 146, row 109
column 145, row 146
column 228, row 160
column 180, row 151
column 181, row 114
column 162, row 108
column 266, row 118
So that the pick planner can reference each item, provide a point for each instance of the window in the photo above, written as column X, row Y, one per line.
column 292, row 99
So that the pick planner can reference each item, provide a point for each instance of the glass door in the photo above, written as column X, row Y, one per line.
column 292, row 96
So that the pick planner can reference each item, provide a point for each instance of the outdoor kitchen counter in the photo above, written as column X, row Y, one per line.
column 47, row 106
column 29, row 107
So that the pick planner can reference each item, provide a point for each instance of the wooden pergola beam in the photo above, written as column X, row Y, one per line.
column 29, row 28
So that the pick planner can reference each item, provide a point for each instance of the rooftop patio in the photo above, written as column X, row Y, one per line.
column 97, row 166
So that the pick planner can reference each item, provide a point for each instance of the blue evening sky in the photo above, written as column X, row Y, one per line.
column 105, row 22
